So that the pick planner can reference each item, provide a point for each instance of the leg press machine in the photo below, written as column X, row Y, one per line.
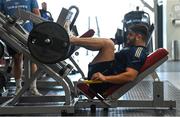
column 71, row 100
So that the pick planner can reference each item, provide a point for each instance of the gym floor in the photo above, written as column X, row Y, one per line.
column 168, row 72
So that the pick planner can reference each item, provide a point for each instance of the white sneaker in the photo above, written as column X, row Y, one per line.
column 34, row 91
column 17, row 90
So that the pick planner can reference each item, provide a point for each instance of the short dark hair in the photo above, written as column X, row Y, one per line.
column 140, row 29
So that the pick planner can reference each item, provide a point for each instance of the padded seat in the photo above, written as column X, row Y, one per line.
column 151, row 60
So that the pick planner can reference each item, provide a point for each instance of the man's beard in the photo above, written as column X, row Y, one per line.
column 131, row 41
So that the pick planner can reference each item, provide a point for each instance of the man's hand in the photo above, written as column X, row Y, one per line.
column 98, row 76
column 36, row 11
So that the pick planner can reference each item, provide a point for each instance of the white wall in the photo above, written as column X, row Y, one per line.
column 172, row 32
column 109, row 12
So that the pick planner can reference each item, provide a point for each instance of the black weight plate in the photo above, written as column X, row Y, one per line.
column 48, row 52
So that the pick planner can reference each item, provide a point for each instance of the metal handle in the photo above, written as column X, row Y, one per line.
column 75, row 16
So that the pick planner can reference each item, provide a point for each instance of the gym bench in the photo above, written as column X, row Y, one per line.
column 110, row 97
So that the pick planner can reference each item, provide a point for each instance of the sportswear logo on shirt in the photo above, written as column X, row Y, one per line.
column 138, row 52
column 18, row 6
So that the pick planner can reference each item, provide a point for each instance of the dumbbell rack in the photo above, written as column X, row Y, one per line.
column 14, row 36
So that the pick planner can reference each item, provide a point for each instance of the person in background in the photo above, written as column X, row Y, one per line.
column 8, row 7
column 44, row 13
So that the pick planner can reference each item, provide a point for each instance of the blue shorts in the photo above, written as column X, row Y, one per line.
column 106, row 69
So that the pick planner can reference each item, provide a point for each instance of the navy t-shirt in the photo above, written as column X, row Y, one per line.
column 133, row 57
column 8, row 7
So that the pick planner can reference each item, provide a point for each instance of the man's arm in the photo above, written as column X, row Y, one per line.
column 35, row 7
column 121, row 78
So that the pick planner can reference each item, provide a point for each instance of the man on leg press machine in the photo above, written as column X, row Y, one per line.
column 115, row 68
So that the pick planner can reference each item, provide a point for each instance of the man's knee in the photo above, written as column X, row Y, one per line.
column 18, row 58
column 34, row 67
column 108, row 43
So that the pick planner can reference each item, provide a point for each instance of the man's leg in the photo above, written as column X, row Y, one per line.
column 104, row 46
column 33, row 86
column 17, row 71
column 103, row 59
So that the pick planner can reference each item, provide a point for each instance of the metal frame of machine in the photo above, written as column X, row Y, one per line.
column 70, row 101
